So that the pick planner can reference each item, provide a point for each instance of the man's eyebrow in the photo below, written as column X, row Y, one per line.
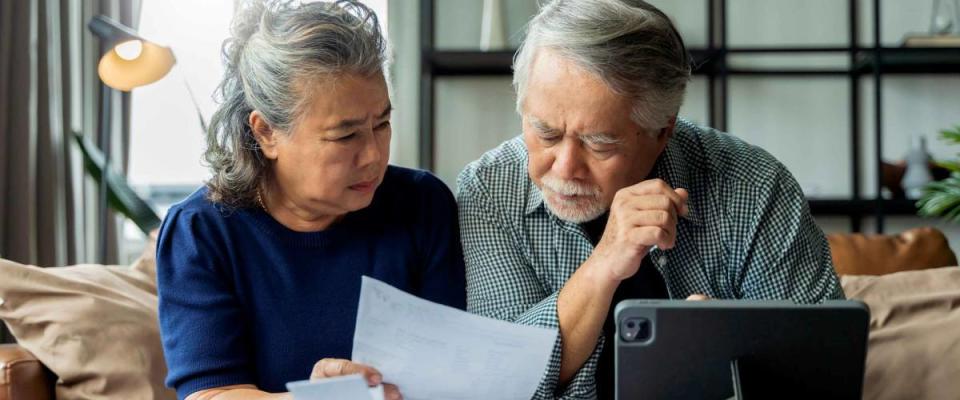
column 543, row 127
column 600, row 138
column 352, row 123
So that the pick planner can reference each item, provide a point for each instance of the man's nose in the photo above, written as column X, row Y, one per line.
column 568, row 163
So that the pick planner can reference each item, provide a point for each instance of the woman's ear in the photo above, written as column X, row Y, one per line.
column 264, row 134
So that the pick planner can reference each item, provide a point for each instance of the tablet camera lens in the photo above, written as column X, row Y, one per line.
column 635, row 329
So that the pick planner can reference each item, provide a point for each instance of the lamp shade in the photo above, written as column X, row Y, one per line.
column 131, row 60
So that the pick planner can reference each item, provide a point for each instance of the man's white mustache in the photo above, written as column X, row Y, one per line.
column 569, row 188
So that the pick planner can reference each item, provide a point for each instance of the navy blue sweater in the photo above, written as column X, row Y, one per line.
column 244, row 300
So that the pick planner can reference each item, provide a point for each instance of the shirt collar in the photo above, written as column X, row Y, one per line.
column 534, row 197
column 672, row 166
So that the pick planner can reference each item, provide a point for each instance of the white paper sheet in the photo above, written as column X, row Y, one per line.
column 349, row 387
column 432, row 352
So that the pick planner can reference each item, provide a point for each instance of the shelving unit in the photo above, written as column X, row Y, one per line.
column 713, row 64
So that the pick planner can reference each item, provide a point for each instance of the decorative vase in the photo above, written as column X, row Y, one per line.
column 492, row 29
column 917, row 174
column 945, row 18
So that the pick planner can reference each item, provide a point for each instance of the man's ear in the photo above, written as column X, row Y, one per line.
column 665, row 133
column 264, row 134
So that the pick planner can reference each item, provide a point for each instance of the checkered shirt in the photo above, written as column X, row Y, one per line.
column 749, row 235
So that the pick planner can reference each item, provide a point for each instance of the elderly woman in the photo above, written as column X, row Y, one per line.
column 259, row 271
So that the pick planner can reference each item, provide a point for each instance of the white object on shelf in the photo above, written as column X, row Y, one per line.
column 917, row 174
column 945, row 18
column 492, row 30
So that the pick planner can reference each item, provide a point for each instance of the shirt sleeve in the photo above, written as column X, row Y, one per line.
column 200, row 318
column 442, row 278
column 502, row 284
column 785, row 254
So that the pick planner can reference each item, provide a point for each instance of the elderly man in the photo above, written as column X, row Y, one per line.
column 608, row 195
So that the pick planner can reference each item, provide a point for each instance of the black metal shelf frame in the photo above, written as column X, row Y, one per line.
column 712, row 63
column 897, row 61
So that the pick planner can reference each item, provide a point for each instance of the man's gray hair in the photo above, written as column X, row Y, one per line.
column 276, row 52
column 629, row 44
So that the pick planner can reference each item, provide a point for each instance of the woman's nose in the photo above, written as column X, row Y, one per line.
column 370, row 153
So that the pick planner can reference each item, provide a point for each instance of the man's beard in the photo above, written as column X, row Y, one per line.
column 587, row 206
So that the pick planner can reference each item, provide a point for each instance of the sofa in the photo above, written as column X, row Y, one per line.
column 909, row 280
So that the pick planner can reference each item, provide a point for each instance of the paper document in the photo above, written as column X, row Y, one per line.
column 434, row 352
column 349, row 387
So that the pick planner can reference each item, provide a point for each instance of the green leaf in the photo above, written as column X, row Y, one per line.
column 942, row 198
column 953, row 166
column 120, row 196
column 951, row 135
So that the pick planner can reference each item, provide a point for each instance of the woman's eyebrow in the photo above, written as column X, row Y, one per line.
column 353, row 123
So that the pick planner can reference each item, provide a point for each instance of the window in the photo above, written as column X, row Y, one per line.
column 166, row 139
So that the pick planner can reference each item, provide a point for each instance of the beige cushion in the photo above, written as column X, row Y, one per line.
column 94, row 326
column 914, row 346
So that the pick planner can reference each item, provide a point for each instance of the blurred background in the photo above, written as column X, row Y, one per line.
column 798, row 79
column 843, row 92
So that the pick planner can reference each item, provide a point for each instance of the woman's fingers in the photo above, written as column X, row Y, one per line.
column 330, row 367
column 391, row 392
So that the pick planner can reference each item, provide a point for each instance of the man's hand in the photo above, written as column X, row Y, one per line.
column 641, row 216
column 330, row 367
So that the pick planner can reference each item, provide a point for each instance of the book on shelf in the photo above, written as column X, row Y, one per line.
column 919, row 40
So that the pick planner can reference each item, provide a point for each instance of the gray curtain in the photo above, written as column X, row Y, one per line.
column 49, row 89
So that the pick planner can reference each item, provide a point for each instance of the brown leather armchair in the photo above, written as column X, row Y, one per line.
column 23, row 377
column 918, row 248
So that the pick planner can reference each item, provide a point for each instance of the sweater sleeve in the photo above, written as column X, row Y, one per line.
column 442, row 278
column 201, row 326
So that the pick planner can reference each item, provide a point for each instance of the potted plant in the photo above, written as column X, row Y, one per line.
column 120, row 196
column 942, row 198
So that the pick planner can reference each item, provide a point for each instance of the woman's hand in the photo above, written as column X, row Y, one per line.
column 330, row 367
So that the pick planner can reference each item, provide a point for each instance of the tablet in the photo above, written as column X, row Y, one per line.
column 739, row 349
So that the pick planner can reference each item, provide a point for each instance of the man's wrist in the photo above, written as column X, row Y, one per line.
column 598, row 276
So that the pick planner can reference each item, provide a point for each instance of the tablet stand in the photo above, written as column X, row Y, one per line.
column 735, row 374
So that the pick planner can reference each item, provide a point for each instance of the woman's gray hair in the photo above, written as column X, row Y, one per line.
column 629, row 44
column 276, row 49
